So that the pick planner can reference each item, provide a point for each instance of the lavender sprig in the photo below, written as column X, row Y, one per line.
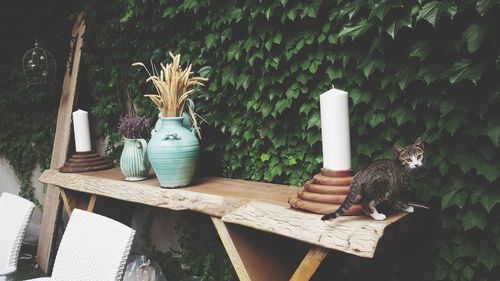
column 133, row 127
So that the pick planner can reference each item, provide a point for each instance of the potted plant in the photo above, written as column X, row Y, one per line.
column 173, row 149
column 134, row 161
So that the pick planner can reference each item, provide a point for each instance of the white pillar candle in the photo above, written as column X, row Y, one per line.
column 334, row 106
column 82, row 131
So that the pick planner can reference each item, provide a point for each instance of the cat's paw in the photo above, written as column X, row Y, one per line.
column 409, row 209
column 378, row 216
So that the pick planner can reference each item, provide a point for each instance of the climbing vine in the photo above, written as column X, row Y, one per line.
column 28, row 114
column 410, row 67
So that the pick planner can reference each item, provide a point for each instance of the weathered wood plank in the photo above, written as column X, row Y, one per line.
column 211, row 196
column 60, row 148
column 256, row 205
column 357, row 235
column 310, row 264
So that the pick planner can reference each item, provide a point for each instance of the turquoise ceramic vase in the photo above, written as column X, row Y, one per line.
column 134, row 161
column 173, row 151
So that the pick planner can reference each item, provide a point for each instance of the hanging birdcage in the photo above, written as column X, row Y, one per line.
column 39, row 66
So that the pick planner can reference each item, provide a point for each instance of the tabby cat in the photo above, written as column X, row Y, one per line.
column 383, row 181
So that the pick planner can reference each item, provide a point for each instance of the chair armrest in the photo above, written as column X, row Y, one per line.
column 8, row 271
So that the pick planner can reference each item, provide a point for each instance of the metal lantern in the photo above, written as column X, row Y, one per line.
column 39, row 66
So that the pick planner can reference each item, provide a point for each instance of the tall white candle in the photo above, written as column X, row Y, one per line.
column 336, row 140
column 82, row 131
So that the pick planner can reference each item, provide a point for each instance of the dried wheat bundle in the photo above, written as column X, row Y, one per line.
column 173, row 86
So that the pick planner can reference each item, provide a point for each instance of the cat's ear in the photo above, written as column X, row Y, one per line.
column 420, row 142
column 397, row 150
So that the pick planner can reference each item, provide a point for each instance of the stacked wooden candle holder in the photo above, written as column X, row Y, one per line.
column 325, row 193
column 85, row 162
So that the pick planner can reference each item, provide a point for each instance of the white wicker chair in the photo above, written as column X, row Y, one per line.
column 15, row 215
column 93, row 247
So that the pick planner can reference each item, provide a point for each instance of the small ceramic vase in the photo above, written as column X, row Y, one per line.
column 134, row 161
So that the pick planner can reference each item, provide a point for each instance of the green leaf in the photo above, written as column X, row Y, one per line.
column 350, row 9
column 265, row 109
column 236, row 13
column 292, row 14
column 234, row 52
column 210, row 40
column 396, row 25
column 376, row 118
column 356, row 30
column 430, row 12
column 493, row 133
column 306, row 107
column 440, row 274
column 419, row 50
column 466, row 249
column 359, row 96
column 490, row 198
column 465, row 70
column 454, row 197
column 379, row 10
column 483, row 6
column 488, row 256
column 314, row 121
column 283, row 104
column 474, row 218
column 326, row 27
column 468, row 160
column 334, row 72
column 265, row 157
column 277, row 38
column 451, row 8
column 472, row 37
column 468, row 272
column 399, row 115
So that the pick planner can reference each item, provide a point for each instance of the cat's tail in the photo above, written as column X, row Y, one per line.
column 349, row 200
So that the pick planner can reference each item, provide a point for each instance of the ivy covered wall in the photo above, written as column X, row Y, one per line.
column 28, row 114
column 411, row 68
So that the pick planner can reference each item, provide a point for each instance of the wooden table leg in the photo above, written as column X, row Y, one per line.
column 72, row 199
column 310, row 264
column 231, row 250
column 91, row 205
column 257, row 256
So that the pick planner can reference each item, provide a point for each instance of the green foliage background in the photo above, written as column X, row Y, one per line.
column 28, row 115
column 410, row 67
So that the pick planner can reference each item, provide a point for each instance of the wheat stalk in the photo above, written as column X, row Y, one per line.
column 173, row 86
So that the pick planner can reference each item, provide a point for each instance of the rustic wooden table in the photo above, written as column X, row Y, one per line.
column 259, row 230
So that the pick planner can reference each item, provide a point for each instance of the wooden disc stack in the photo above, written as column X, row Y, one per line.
column 85, row 162
column 325, row 193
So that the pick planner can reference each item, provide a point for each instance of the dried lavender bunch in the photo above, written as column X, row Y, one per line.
column 133, row 127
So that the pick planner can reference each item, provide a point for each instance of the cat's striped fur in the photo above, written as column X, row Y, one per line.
column 383, row 180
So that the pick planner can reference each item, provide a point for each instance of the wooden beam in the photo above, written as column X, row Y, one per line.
column 91, row 205
column 73, row 199
column 230, row 247
column 60, row 148
column 257, row 256
column 310, row 264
